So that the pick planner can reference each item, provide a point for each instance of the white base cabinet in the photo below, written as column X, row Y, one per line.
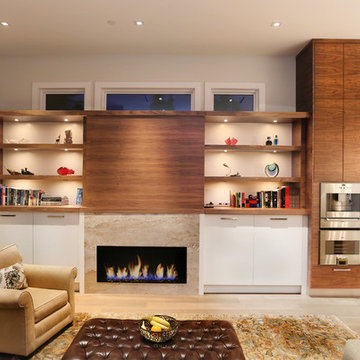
column 253, row 253
column 17, row 228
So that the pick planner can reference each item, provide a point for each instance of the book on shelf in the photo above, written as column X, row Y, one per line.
column 281, row 198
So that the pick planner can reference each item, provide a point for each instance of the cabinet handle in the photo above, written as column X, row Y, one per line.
column 227, row 218
column 341, row 269
column 8, row 215
column 278, row 218
column 56, row 216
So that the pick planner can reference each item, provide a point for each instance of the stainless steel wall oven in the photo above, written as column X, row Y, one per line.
column 340, row 224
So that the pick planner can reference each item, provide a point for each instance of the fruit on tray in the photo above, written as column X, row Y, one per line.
column 156, row 328
column 158, row 321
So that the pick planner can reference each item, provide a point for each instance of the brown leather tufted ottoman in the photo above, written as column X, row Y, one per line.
column 121, row 339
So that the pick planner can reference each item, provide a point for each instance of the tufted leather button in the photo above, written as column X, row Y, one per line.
column 115, row 339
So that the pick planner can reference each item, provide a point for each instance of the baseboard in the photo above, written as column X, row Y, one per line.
column 334, row 292
column 252, row 289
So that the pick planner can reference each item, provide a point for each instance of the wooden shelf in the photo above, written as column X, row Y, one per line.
column 42, row 177
column 255, row 211
column 63, row 208
column 253, row 148
column 254, row 116
column 253, row 179
column 62, row 147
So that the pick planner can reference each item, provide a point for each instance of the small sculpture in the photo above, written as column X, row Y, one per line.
column 232, row 141
column 268, row 141
column 26, row 172
column 57, row 141
column 272, row 170
column 227, row 166
column 65, row 171
column 68, row 137
column 13, row 172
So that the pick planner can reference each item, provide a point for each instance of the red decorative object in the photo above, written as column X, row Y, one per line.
column 232, row 141
column 65, row 171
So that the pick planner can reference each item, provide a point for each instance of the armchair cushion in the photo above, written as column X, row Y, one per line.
column 13, row 277
column 47, row 301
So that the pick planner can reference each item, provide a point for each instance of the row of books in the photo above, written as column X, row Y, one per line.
column 24, row 197
column 278, row 198
column 20, row 197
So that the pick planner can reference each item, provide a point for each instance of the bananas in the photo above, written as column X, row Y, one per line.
column 158, row 321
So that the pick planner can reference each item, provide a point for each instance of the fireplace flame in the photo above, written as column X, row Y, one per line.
column 141, row 272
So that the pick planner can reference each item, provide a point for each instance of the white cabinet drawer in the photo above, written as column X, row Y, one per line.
column 278, row 248
column 56, row 239
column 228, row 250
column 17, row 228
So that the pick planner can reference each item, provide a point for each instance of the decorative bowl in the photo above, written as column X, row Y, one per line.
column 161, row 336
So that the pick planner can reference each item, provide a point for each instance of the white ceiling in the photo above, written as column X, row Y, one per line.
column 181, row 27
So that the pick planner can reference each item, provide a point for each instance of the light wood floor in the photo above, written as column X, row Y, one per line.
column 346, row 309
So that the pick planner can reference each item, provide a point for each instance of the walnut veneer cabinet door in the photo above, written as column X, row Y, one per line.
column 328, row 140
column 352, row 71
column 328, row 70
column 351, row 140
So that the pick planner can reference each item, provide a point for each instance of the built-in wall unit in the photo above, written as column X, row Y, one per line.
column 145, row 176
column 328, row 86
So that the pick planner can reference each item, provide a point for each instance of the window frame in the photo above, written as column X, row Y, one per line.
column 102, row 89
column 235, row 88
column 41, row 89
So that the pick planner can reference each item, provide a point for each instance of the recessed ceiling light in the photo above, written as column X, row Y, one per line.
column 16, row 119
column 275, row 151
column 226, row 120
column 4, row 23
column 66, row 149
column 66, row 119
column 16, row 149
column 225, row 150
column 275, row 121
column 276, row 24
column 139, row 23
column 230, row 100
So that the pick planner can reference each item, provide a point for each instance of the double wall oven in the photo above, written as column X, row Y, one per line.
column 340, row 224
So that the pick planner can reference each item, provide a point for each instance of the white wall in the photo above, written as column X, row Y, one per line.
column 17, row 73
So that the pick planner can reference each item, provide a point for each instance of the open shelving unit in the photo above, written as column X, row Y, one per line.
column 251, row 128
column 26, row 141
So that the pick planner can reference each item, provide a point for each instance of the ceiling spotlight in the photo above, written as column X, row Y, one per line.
column 274, row 121
column 4, row 23
column 16, row 119
column 139, row 23
column 66, row 119
column 230, row 100
column 276, row 24
column 226, row 120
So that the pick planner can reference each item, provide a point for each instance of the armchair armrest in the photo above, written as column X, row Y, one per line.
column 52, row 277
column 14, row 299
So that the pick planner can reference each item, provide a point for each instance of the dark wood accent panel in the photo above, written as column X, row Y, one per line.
column 351, row 140
column 304, row 79
column 328, row 140
column 324, row 277
column 139, row 164
column 328, row 71
column 352, row 71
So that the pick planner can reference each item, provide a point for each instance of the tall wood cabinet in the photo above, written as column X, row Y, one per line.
column 328, row 85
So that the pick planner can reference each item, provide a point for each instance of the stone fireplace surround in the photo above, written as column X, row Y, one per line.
column 142, row 230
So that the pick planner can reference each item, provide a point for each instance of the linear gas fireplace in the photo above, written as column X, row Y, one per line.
column 141, row 264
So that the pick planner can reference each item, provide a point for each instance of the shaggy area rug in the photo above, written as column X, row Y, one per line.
column 261, row 336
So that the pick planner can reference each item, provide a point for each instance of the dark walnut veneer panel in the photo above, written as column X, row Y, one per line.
column 351, row 140
column 352, row 71
column 328, row 140
column 328, row 71
column 140, row 164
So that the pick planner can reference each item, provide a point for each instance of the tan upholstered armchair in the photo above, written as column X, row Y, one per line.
column 31, row 316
